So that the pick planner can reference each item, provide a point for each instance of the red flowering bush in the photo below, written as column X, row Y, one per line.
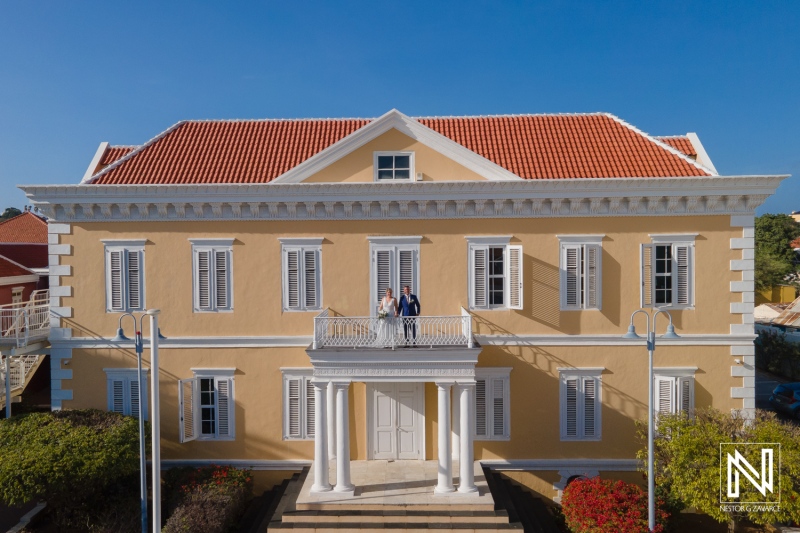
column 602, row 505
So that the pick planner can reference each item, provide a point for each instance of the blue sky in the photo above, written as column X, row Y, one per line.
column 73, row 74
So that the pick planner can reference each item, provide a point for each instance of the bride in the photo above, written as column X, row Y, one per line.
column 386, row 327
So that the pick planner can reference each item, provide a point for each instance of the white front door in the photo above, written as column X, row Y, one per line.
column 396, row 420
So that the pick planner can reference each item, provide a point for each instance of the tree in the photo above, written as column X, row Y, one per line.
column 774, row 257
column 687, row 460
column 10, row 212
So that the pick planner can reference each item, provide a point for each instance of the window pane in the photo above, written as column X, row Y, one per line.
column 385, row 161
column 401, row 174
column 384, row 174
column 402, row 161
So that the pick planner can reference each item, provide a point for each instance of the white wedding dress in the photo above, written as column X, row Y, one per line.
column 386, row 327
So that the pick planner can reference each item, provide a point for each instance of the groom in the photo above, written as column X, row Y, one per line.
column 409, row 307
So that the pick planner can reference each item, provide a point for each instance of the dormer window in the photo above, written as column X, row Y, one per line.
column 394, row 166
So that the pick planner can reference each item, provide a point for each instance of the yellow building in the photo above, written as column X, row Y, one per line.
column 528, row 241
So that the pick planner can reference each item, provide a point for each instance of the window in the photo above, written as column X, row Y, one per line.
column 298, row 404
column 674, row 390
column 207, row 405
column 394, row 166
column 123, row 391
column 492, row 403
column 668, row 271
column 301, row 276
column 213, row 274
column 580, row 403
column 124, row 275
column 16, row 295
column 495, row 273
column 394, row 264
column 580, row 271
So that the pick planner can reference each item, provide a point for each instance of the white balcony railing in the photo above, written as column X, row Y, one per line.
column 24, row 320
column 374, row 332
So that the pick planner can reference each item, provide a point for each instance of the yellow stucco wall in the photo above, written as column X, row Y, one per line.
column 779, row 294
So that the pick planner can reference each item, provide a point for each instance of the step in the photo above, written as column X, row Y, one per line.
column 385, row 517
column 341, row 527
column 355, row 507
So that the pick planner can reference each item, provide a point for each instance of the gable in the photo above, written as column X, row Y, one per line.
column 358, row 165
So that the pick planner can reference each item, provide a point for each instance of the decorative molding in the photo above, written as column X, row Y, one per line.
column 603, row 465
column 290, row 465
column 299, row 341
column 613, row 340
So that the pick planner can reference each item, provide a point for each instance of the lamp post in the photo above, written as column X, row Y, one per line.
column 138, row 343
column 651, row 347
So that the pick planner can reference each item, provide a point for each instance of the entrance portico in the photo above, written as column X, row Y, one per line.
column 452, row 369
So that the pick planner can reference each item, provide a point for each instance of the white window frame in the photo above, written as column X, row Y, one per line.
column 126, row 247
column 394, row 245
column 490, row 376
column 213, row 246
column 411, row 171
column 302, row 246
column 680, row 378
column 16, row 294
column 584, row 244
column 581, row 375
column 127, row 376
column 675, row 241
column 218, row 375
column 513, row 285
column 306, row 413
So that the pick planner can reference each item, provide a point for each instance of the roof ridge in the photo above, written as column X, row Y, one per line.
column 515, row 115
column 663, row 145
column 37, row 217
column 671, row 136
column 124, row 145
column 312, row 119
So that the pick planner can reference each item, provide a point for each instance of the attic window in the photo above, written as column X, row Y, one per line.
column 394, row 166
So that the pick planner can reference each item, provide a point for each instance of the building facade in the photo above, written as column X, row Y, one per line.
column 528, row 241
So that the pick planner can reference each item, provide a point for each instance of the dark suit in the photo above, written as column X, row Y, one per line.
column 409, row 307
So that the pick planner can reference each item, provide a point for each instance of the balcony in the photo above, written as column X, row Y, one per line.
column 373, row 332
column 25, row 322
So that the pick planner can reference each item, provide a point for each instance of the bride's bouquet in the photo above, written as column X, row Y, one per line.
column 382, row 314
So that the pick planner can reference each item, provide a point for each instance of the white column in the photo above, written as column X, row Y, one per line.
column 342, row 440
column 155, row 418
column 321, row 469
column 445, row 481
column 331, row 414
column 467, row 459
column 456, row 422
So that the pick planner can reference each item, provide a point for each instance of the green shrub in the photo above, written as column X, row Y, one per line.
column 84, row 463
column 209, row 499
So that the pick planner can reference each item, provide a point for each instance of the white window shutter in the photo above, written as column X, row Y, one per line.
column 406, row 268
column 589, row 407
column 682, row 254
column 221, row 279
column 310, row 279
column 572, row 276
column 293, row 387
column 134, row 275
column 204, row 279
column 571, row 408
column 310, row 410
column 480, row 409
column 116, row 396
column 647, row 256
column 514, row 277
column 186, row 400
column 480, row 256
column 593, row 277
column 383, row 273
column 116, row 259
column 498, row 408
column 293, row 279
column 686, row 394
column 224, row 407
column 665, row 394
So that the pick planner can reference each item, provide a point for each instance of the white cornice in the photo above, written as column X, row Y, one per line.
column 603, row 465
column 612, row 340
column 592, row 197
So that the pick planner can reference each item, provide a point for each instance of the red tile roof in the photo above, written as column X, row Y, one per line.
column 680, row 143
column 531, row 146
column 9, row 269
column 113, row 153
column 24, row 228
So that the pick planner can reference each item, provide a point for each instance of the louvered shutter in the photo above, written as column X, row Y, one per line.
column 498, row 408
column 293, row 386
column 686, row 394
column 571, row 405
column 186, row 397
column 224, row 407
column 134, row 275
column 647, row 281
column 593, row 280
column 221, row 279
column 310, row 410
column 572, row 276
column 682, row 275
column 204, row 279
column 116, row 403
column 292, row 286
column 514, row 277
column 116, row 258
column 480, row 408
column 406, row 269
column 589, row 407
column 134, row 396
column 310, row 279
column 383, row 273
column 479, row 277
column 665, row 394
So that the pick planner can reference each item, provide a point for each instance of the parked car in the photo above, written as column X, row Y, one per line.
column 786, row 399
